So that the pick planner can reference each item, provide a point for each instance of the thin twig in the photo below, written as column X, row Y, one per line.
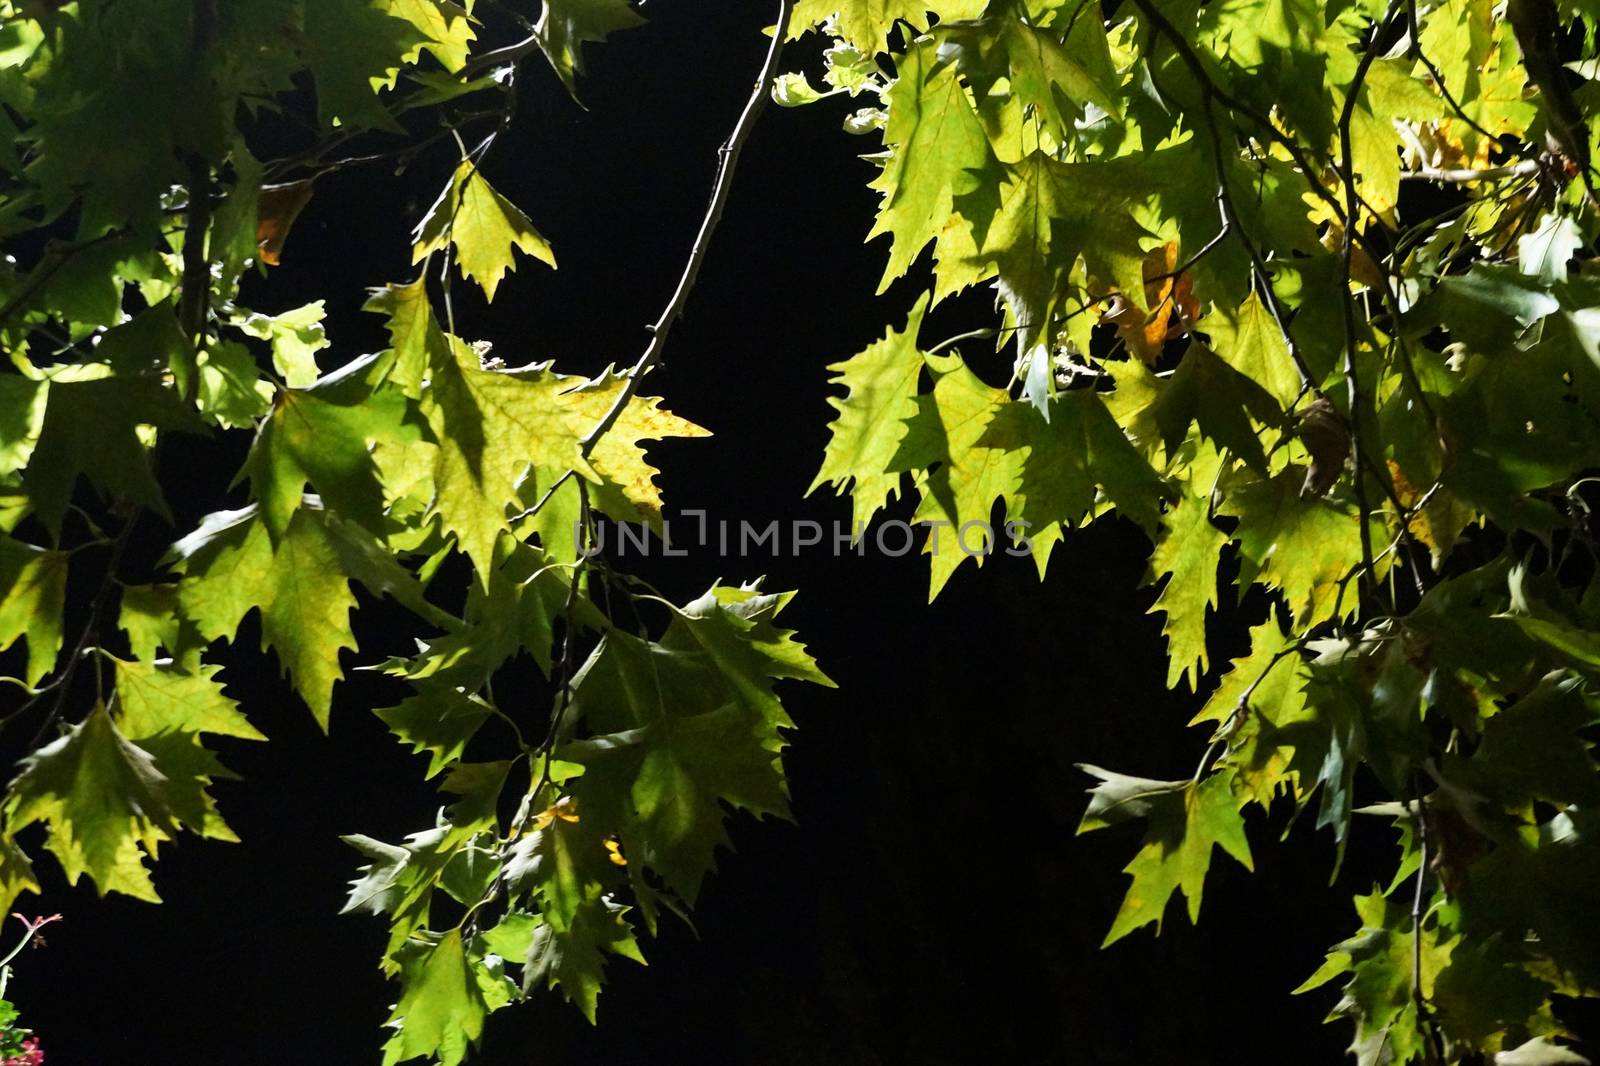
column 727, row 161
column 56, row 256
column 1347, row 301
column 1466, row 175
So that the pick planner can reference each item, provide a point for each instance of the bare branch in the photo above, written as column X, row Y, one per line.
column 727, row 161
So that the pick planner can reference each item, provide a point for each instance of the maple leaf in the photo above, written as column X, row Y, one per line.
column 483, row 226
column 438, row 718
column 1185, row 821
column 22, row 403
column 446, row 26
column 522, row 414
column 566, row 25
column 352, row 46
column 933, row 139
column 300, row 586
column 626, row 487
column 296, row 337
column 1078, row 450
column 866, row 23
column 16, row 873
column 1188, row 552
column 686, row 725
column 980, row 462
column 1250, row 341
column 312, row 437
column 1049, row 214
column 1040, row 69
column 33, row 586
column 1306, row 547
column 1381, row 961
column 882, row 391
column 447, row 993
column 165, row 711
column 105, row 801
column 90, row 429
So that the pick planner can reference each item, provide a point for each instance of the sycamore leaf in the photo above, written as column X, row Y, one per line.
column 1049, row 215
column 1306, row 547
column 684, row 726
column 1078, row 449
column 309, row 437
column 1185, row 821
column 33, row 586
column 296, row 337
column 16, row 873
column 1545, row 252
column 1249, row 341
column 446, row 26
column 352, row 47
column 1381, row 961
column 626, row 488
column 981, row 461
column 1539, row 1052
column 300, row 586
column 492, row 426
column 882, row 390
column 231, row 391
column 105, row 801
column 866, row 23
column 483, row 226
column 164, row 710
column 561, row 865
column 443, row 1003
column 566, row 25
column 91, row 429
column 1188, row 552
column 1207, row 392
column 933, row 139
column 438, row 718
column 22, row 403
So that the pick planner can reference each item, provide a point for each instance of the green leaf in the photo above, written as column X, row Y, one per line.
column 300, row 586
column 933, row 139
column 866, row 24
column 1188, row 551
column 1185, row 821
column 882, row 391
column 446, row 26
column 22, row 403
column 1050, row 215
column 981, row 460
column 566, row 25
column 442, row 1006
column 296, row 336
column 90, row 429
column 105, row 801
column 439, row 719
column 165, row 711
column 1539, row 1052
column 1250, row 341
column 1545, row 252
column 33, row 586
column 310, row 438
column 1306, row 547
column 351, row 47
column 483, row 226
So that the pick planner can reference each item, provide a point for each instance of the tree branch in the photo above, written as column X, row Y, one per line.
column 727, row 161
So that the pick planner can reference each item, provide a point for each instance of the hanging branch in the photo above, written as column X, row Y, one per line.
column 1347, row 302
column 727, row 161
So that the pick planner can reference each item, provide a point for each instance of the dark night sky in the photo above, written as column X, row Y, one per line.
column 931, row 905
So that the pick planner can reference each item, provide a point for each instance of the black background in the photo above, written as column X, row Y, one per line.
column 931, row 904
